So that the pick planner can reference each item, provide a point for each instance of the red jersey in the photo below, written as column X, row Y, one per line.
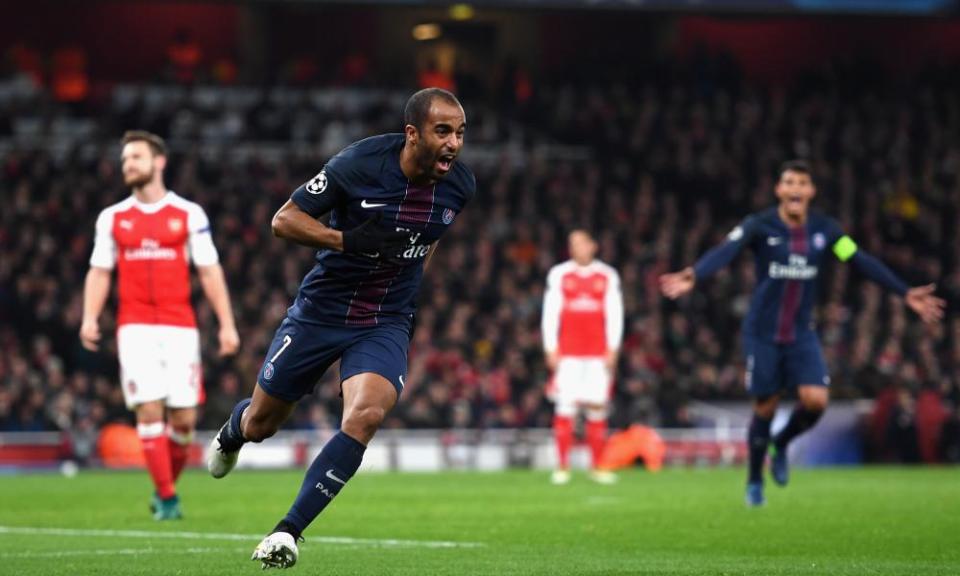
column 151, row 245
column 582, row 310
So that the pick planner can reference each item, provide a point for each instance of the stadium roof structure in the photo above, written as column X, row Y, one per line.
column 863, row 7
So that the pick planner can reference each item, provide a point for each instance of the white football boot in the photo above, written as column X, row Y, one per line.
column 219, row 462
column 278, row 550
column 560, row 477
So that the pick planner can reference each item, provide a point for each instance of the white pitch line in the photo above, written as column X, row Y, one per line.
column 223, row 536
column 108, row 552
column 602, row 501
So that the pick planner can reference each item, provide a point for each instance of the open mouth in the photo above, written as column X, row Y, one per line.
column 445, row 161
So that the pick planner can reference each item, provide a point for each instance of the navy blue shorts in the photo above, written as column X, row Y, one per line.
column 773, row 368
column 301, row 352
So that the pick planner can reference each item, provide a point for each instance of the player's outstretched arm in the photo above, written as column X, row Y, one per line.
column 677, row 284
column 96, row 289
column 923, row 301
column 920, row 299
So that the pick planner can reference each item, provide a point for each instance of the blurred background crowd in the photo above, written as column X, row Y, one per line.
column 658, row 163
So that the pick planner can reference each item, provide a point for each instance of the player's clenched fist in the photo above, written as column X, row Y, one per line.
column 375, row 240
column 90, row 336
column 229, row 341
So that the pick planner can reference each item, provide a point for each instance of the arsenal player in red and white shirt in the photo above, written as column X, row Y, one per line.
column 151, row 238
column 582, row 329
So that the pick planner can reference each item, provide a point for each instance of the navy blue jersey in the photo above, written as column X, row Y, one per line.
column 364, row 178
column 788, row 262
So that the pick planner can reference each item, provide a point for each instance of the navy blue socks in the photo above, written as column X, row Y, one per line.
column 330, row 471
column 758, row 438
column 231, row 437
column 800, row 421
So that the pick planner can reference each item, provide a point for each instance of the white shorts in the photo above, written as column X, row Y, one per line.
column 582, row 380
column 160, row 363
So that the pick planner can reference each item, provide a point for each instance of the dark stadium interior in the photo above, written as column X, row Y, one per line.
column 658, row 139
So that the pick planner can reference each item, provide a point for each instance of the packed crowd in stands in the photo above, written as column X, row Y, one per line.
column 658, row 170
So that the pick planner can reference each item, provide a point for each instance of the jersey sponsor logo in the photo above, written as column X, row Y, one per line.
column 150, row 250
column 367, row 204
column 774, row 241
column 417, row 251
column 126, row 224
column 735, row 234
column 797, row 269
column 583, row 304
column 318, row 183
column 448, row 215
column 819, row 241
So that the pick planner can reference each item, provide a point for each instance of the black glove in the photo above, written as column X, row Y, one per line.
column 375, row 240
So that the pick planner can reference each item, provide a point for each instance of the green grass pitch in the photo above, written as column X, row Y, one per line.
column 831, row 522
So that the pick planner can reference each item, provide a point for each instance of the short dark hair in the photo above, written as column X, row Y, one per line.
column 156, row 143
column 418, row 106
column 797, row 165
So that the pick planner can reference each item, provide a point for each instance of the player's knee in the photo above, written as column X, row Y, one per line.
column 149, row 412
column 182, row 423
column 815, row 403
column 365, row 421
column 765, row 408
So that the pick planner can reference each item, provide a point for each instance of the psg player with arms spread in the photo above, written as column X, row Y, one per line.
column 150, row 238
column 390, row 198
column 790, row 244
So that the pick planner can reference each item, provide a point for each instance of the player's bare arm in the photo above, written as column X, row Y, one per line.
column 611, row 361
column 552, row 359
column 96, row 289
column 292, row 223
column 215, row 289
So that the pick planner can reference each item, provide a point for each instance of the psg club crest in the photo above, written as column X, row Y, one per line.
column 268, row 371
column 448, row 215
